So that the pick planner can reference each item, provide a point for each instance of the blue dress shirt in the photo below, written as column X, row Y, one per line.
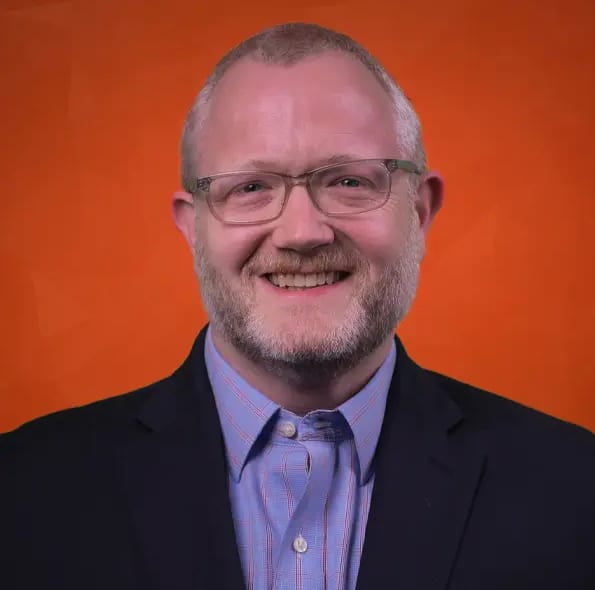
column 300, row 486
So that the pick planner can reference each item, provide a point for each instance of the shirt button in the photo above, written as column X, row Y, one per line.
column 287, row 429
column 300, row 545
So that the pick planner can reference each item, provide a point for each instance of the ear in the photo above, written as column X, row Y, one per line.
column 428, row 199
column 183, row 212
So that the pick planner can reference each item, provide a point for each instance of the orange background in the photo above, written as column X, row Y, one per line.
column 98, row 294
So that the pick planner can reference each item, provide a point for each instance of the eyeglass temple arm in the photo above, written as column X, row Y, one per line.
column 193, row 185
column 406, row 165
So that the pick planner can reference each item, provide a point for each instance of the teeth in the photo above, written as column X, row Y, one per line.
column 300, row 281
column 311, row 280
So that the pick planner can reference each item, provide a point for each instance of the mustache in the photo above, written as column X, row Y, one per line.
column 328, row 259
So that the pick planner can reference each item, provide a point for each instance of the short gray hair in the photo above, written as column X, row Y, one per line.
column 287, row 44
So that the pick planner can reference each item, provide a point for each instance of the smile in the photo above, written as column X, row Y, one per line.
column 305, row 281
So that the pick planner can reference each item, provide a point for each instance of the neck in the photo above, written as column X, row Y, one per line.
column 303, row 391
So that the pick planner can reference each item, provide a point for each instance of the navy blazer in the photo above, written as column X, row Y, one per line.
column 472, row 492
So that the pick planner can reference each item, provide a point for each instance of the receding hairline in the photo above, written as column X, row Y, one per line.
column 289, row 44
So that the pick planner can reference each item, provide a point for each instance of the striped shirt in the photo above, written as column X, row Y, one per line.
column 299, row 486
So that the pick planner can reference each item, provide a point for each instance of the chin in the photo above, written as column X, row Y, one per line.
column 291, row 341
column 302, row 327
column 314, row 336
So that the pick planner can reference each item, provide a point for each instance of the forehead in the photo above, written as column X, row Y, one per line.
column 296, row 116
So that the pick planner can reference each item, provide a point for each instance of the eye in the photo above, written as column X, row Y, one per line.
column 243, row 187
column 350, row 182
column 250, row 187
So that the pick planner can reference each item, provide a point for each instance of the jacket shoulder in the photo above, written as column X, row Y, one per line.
column 515, row 426
column 99, row 419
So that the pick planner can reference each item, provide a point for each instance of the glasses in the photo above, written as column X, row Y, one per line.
column 251, row 197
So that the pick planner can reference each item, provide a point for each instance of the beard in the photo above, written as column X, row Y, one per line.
column 308, row 345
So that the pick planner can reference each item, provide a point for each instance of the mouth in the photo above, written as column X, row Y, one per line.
column 303, row 281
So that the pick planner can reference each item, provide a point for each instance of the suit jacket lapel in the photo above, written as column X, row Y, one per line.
column 427, row 473
column 176, row 482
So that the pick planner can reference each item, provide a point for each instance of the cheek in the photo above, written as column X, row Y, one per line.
column 227, row 247
column 381, row 236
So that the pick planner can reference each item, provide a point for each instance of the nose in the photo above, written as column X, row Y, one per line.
column 301, row 227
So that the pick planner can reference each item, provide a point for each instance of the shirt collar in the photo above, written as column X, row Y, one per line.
column 244, row 412
column 364, row 413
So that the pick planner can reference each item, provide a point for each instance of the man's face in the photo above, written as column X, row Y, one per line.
column 291, row 120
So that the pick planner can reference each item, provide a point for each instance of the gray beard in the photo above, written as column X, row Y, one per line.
column 378, row 308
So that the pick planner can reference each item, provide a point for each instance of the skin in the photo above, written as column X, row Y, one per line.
column 297, row 347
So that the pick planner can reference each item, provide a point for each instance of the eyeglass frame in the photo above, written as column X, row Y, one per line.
column 202, row 184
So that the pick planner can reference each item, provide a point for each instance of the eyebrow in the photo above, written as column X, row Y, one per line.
column 271, row 165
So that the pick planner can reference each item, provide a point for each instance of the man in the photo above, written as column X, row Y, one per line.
column 298, row 447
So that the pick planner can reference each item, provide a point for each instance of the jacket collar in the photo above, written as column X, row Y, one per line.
column 175, row 479
column 428, row 469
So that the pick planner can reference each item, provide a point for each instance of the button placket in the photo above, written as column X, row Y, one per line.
column 311, row 506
